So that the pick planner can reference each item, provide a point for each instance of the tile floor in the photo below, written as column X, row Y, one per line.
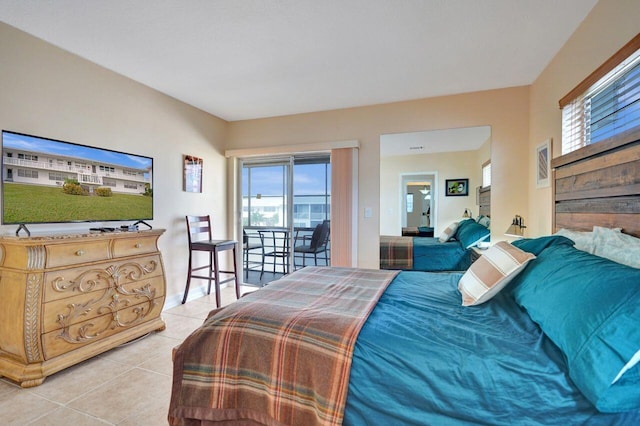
column 128, row 385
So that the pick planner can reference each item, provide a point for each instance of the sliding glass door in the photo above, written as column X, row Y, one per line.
column 265, row 193
column 283, row 200
column 311, row 191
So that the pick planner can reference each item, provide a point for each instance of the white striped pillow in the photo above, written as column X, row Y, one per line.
column 448, row 233
column 492, row 272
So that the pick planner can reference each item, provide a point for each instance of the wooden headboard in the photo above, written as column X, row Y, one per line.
column 598, row 185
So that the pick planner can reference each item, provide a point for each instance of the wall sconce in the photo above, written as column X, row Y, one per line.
column 516, row 229
column 466, row 214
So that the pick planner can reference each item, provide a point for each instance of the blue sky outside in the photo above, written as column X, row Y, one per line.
column 47, row 146
column 309, row 179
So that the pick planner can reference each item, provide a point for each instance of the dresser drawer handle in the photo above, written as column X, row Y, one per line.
column 79, row 252
column 138, row 245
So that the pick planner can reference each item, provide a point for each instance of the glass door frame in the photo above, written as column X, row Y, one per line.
column 293, row 161
column 287, row 161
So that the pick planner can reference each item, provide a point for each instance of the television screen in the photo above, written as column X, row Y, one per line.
column 51, row 181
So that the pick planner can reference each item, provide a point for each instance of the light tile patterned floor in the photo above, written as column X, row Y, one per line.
column 129, row 385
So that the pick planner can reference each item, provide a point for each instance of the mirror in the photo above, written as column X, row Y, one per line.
column 415, row 169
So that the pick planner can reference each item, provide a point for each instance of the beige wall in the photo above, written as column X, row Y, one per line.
column 49, row 92
column 609, row 26
column 505, row 110
column 446, row 165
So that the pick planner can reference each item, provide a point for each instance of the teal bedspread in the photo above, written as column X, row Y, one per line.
column 429, row 254
column 423, row 359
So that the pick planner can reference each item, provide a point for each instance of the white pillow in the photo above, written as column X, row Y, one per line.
column 584, row 240
column 614, row 245
column 448, row 233
column 492, row 272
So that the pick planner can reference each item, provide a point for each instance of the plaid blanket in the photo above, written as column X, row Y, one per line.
column 396, row 252
column 280, row 355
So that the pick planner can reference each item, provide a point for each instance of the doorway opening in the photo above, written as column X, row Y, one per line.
column 419, row 204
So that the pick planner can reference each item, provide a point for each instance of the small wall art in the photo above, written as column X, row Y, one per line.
column 543, row 164
column 457, row 187
column 192, row 174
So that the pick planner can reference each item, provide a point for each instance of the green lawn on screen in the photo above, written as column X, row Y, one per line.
column 31, row 203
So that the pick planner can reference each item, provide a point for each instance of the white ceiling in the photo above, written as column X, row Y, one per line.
column 243, row 59
column 432, row 141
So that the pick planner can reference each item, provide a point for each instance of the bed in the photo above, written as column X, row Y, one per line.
column 355, row 347
column 451, row 251
column 417, row 231
column 423, row 254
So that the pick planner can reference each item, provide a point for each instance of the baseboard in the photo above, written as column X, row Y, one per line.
column 194, row 293
column 176, row 299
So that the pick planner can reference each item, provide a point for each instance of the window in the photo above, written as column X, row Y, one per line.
column 56, row 176
column 606, row 105
column 109, row 182
column 486, row 174
column 33, row 174
column 130, row 185
column 410, row 203
column 28, row 157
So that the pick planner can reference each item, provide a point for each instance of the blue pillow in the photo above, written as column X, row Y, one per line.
column 536, row 245
column 470, row 233
column 590, row 308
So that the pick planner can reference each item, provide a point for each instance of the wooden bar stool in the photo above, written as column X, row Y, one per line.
column 196, row 227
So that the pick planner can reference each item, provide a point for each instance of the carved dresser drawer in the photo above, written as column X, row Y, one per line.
column 73, row 253
column 93, row 328
column 64, row 299
column 131, row 246
column 69, row 282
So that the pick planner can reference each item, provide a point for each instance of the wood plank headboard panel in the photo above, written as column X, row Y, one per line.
column 598, row 185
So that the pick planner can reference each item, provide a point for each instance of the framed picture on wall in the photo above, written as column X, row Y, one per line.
column 192, row 174
column 456, row 187
column 543, row 164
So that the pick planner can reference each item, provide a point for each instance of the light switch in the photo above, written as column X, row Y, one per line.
column 368, row 212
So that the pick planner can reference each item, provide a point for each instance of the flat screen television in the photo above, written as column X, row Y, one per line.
column 52, row 181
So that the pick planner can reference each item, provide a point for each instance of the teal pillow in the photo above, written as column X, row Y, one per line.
column 536, row 245
column 590, row 308
column 470, row 233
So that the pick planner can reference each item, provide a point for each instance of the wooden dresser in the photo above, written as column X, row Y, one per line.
column 67, row 298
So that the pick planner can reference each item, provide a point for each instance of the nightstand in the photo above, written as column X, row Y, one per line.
column 476, row 253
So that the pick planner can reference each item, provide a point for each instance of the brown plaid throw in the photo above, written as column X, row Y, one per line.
column 281, row 355
column 396, row 252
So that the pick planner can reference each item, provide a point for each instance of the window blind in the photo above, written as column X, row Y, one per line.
column 486, row 174
column 609, row 106
column 574, row 128
column 616, row 107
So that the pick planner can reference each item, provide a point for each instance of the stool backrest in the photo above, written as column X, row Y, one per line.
column 198, row 225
